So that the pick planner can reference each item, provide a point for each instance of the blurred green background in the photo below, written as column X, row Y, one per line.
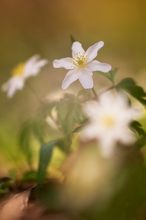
column 44, row 27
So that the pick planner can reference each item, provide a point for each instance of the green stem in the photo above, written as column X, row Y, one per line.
column 94, row 92
column 108, row 89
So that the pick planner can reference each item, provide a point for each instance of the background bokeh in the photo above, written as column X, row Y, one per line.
column 44, row 27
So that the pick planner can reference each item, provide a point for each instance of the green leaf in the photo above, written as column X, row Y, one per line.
column 141, row 142
column 45, row 156
column 136, row 126
column 130, row 86
column 38, row 130
column 64, row 144
column 69, row 114
column 111, row 75
column 25, row 144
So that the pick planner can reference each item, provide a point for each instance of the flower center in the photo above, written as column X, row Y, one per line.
column 108, row 121
column 80, row 60
column 18, row 70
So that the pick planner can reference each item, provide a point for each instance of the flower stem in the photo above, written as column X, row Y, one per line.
column 108, row 89
column 94, row 92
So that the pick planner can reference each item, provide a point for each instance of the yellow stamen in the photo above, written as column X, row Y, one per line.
column 80, row 60
column 108, row 121
column 18, row 70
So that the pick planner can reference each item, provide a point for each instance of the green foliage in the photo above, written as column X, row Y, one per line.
column 111, row 75
column 45, row 156
column 31, row 130
column 130, row 86
column 64, row 144
column 136, row 126
column 5, row 184
column 30, row 175
column 141, row 139
column 25, row 143
column 69, row 114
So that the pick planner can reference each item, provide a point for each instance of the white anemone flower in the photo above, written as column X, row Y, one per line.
column 21, row 72
column 109, row 120
column 82, row 65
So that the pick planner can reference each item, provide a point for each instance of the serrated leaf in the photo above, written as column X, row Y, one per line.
column 130, row 86
column 136, row 126
column 45, row 156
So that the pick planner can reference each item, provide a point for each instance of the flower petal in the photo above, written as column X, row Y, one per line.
column 77, row 49
column 98, row 66
column 66, row 63
column 70, row 77
column 33, row 59
column 86, row 80
column 92, row 51
column 12, row 85
column 34, row 68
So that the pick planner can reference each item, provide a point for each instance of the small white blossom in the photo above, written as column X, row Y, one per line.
column 109, row 120
column 21, row 72
column 82, row 65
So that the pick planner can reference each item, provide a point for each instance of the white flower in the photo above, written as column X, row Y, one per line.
column 21, row 72
column 82, row 65
column 109, row 120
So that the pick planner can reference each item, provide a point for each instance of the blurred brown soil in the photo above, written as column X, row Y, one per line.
column 19, row 207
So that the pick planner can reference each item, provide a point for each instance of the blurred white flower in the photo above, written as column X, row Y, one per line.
column 21, row 72
column 82, row 65
column 109, row 120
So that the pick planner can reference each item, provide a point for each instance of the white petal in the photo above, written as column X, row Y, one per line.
column 98, row 66
column 30, row 62
column 127, row 136
column 66, row 63
column 89, row 132
column 92, row 51
column 86, row 80
column 77, row 49
column 33, row 59
column 70, row 77
column 12, row 85
column 33, row 66
column 90, row 108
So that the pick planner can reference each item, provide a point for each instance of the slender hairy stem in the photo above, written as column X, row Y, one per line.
column 94, row 92
column 108, row 89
